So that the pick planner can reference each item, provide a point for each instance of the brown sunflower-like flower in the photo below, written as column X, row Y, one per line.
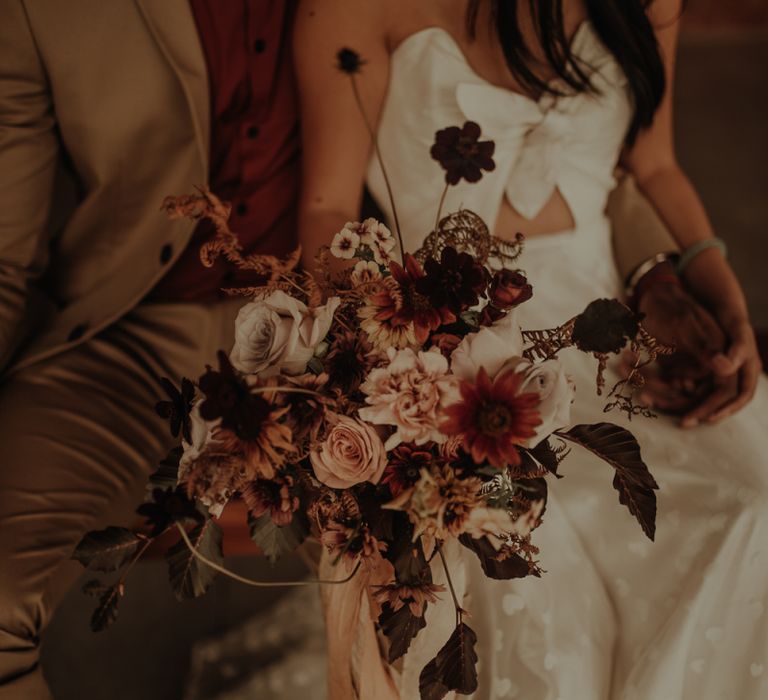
column 278, row 497
column 416, row 306
column 414, row 594
column 263, row 452
column 462, row 154
column 493, row 417
column 439, row 503
column 348, row 361
column 404, row 468
column 382, row 321
column 351, row 542
column 455, row 282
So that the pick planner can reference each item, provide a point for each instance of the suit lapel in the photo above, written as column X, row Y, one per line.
column 172, row 25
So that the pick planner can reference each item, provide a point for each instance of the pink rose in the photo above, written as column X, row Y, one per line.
column 352, row 453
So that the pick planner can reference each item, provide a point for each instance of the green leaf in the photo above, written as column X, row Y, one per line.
column 632, row 480
column 275, row 541
column 191, row 578
column 400, row 627
column 107, row 550
column 106, row 611
column 454, row 667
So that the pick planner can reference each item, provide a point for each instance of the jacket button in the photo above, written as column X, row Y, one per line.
column 77, row 332
column 166, row 252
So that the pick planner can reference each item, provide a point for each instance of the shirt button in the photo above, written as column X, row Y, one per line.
column 166, row 252
column 259, row 45
column 253, row 132
column 77, row 332
column 241, row 209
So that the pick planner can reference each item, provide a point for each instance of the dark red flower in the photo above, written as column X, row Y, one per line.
column 493, row 417
column 509, row 288
column 415, row 306
column 404, row 469
column 178, row 407
column 228, row 397
column 462, row 154
column 455, row 282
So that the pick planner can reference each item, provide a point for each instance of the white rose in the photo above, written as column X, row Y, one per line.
column 556, row 392
column 279, row 334
column 491, row 347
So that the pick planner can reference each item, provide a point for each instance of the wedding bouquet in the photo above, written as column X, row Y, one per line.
column 383, row 408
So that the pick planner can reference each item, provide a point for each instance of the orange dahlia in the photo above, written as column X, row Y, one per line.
column 493, row 417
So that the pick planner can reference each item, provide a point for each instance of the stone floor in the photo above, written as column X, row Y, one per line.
column 722, row 114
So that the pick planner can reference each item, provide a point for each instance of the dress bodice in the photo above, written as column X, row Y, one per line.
column 569, row 143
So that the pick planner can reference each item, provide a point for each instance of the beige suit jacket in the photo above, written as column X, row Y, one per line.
column 104, row 110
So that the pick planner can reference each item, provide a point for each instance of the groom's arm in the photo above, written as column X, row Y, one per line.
column 29, row 153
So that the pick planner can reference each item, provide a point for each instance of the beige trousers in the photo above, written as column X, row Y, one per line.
column 78, row 438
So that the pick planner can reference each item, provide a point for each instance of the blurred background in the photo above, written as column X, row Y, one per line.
column 204, row 649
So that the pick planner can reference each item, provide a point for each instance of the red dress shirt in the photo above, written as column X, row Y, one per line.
column 254, row 159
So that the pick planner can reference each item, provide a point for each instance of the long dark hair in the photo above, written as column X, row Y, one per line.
column 622, row 25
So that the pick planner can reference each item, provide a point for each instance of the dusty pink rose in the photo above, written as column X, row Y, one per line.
column 352, row 453
column 410, row 393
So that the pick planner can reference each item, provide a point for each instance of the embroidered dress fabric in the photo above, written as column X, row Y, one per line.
column 615, row 617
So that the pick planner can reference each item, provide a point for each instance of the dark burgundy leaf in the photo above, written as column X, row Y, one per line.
column 513, row 566
column 400, row 627
column 547, row 456
column 108, row 549
column 454, row 667
column 633, row 481
column 190, row 577
column 106, row 611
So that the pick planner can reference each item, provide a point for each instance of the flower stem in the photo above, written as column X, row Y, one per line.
column 375, row 141
column 440, row 206
column 252, row 582
column 450, row 585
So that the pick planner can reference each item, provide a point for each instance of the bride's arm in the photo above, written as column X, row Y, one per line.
column 653, row 162
column 336, row 144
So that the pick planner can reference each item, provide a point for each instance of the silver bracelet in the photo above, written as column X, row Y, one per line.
column 645, row 267
column 691, row 252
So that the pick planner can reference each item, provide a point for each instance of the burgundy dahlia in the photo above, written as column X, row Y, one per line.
column 455, row 282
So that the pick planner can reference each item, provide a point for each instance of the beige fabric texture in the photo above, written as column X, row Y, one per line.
column 79, row 437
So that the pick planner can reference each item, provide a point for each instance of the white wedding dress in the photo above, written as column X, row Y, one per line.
column 615, row 616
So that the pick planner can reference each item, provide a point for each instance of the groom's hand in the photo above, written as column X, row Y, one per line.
column 692, row 382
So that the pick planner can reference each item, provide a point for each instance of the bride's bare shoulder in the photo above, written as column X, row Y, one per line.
column 383, row 22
